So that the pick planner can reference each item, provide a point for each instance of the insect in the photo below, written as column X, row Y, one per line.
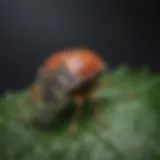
column 68, row 73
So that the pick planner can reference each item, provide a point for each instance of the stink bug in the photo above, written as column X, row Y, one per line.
column 64, row 74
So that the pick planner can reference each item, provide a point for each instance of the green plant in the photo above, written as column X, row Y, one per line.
column 130, row 104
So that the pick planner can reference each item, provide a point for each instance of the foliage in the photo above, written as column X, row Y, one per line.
column 130, row 104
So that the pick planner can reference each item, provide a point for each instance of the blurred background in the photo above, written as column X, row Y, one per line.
column 125, row 31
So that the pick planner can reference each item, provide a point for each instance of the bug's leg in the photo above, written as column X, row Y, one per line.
column 97, row 112
column 98, row 116
column 76, row 115
column 102, row 83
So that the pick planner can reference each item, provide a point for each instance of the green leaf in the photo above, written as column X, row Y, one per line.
column 130, row 105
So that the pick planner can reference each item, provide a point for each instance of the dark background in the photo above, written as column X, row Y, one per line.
column 122, row 31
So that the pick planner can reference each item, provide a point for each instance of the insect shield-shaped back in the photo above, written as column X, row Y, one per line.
column 64, row 74
column 69, row 74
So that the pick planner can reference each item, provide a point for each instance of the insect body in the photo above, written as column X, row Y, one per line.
column 63, row 74
column 67, row 71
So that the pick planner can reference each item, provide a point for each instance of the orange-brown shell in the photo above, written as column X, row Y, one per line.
column 91, row 65
column 83, row 63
